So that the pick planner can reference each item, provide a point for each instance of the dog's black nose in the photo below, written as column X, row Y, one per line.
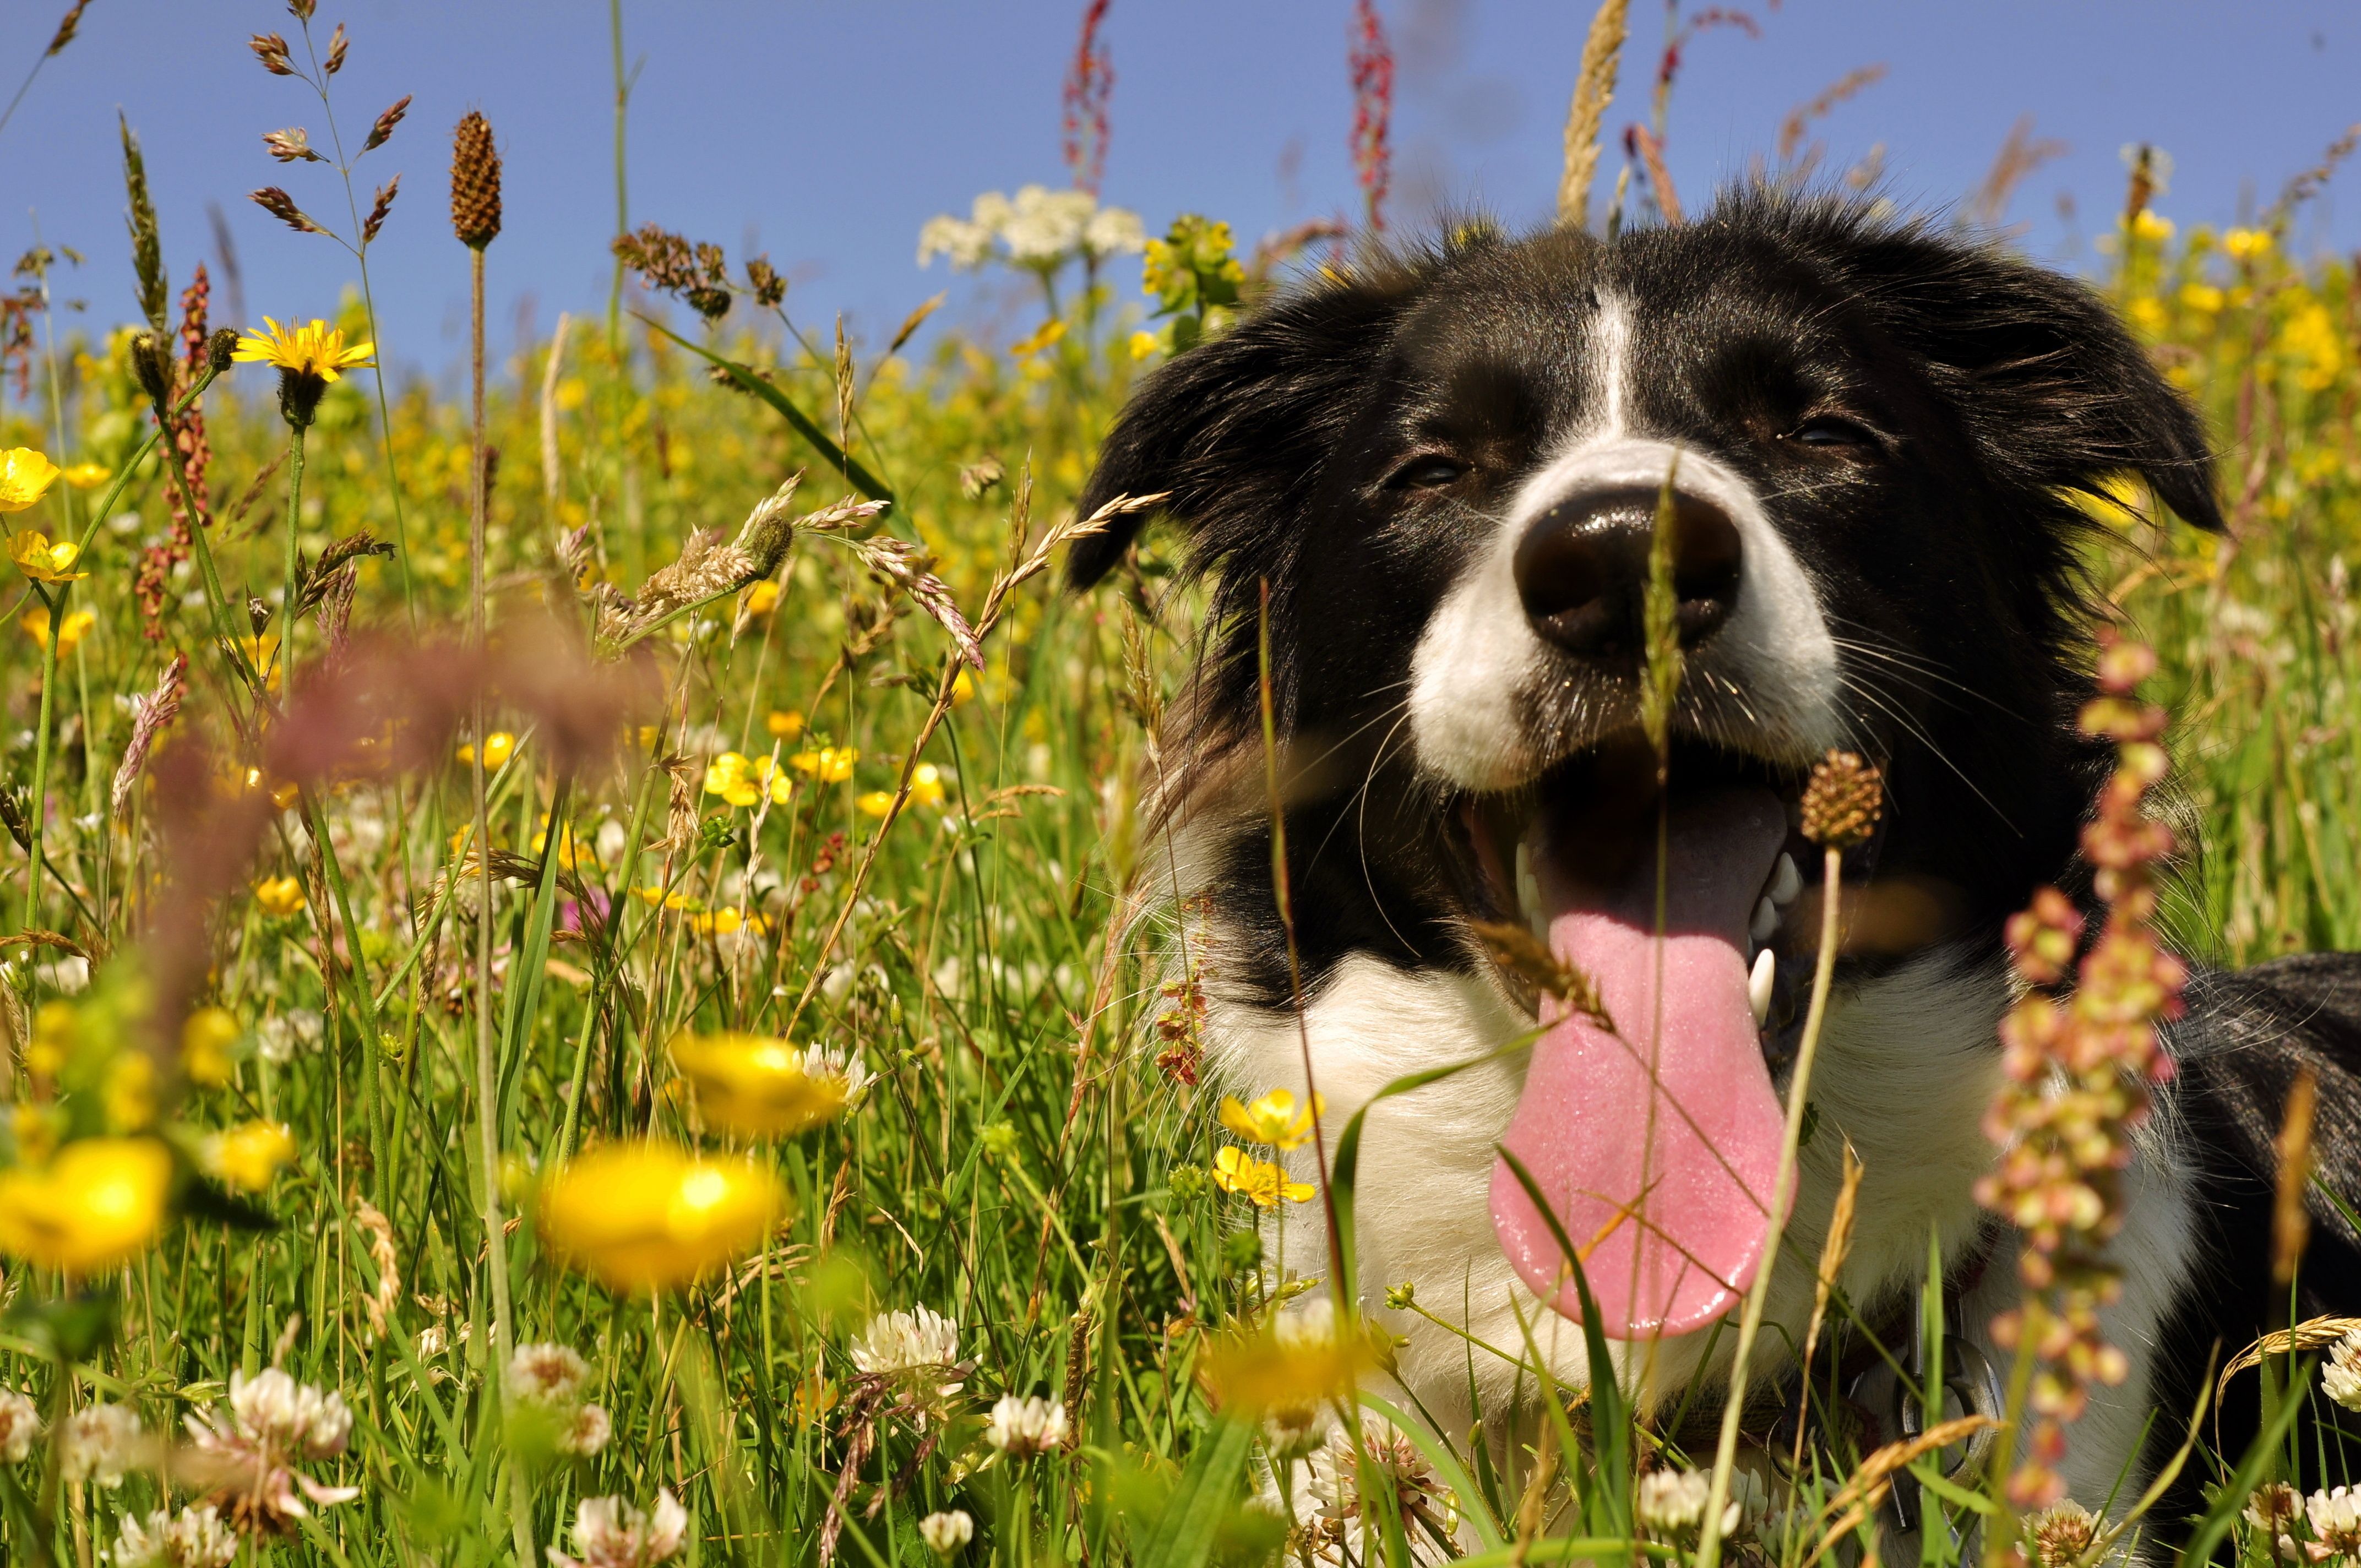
column 1582, row 571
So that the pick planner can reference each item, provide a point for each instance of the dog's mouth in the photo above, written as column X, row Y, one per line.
column 1652, row 1134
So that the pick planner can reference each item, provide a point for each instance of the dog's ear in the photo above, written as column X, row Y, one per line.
column 2053, row 391
column 1233, row 432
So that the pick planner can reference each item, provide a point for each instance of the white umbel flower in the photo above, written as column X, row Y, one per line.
column 194, row 1538
column 945, row 1533
column 2340, row 1379
column 610, row 1533
column 20, row 1423
column 1023, row 1428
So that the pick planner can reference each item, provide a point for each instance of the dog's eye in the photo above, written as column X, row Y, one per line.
column 1829, row 431
column 1430, row 472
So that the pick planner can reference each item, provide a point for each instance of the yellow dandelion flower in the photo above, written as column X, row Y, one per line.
column 759, row 1086
column 246, row 1157
column 784, row 723
column 36, row 622
column 25, row 475
column 88, row 476
column 650, row 1216
column 1275, row 1119
column 98, row 1204
column 1302, row 1359
column 498, row 747
column 317, row 349
column 830, row 765
column 42, row 561
column 1260, row 1182
column 279, row 895
column 205, row 1039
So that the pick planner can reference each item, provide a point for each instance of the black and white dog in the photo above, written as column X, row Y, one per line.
column 1445, row 468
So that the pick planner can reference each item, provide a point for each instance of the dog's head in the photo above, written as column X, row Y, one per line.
column 1445, row 474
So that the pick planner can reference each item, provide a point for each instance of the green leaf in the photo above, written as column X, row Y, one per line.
column 859, row 478
column 1185, row 1532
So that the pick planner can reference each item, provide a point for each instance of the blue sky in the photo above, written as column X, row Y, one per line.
column 825, row 132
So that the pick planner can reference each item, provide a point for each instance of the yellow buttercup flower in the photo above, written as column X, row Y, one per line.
column 278, row 895
column 761, row 599
column 759, row 1087
column 98, row 1204
column 926, row 789
column 657, row 898
column 1275, row 1119
column 206, row 1040
column 876, row 802
column 56, row 1031
column 830, row 765
column 962, row 689
column 784, row 722
column 36, row 622
column 1259, row 1181
column 317, row 349
column 246, row 1157
column 1143, row 344
column 262, row 653
column 1301, row 1359
column 2152, row 226
column 498, row 747
column 2246, row 245
column 25, row 475
column 42, row 561
column 726, row 921
column 88, row 476
column 648, row 1216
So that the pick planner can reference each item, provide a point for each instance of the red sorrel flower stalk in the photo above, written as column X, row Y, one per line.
column 1089, row 81
column 1372, row 62
column 2079, row 1065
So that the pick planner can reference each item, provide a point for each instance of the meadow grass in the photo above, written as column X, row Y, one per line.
column 1032, row 1157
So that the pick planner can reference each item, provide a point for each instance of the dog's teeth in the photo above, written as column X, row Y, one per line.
column 1787, row 881
column 1766, row 920
column 1758, row 986
column 1529, row 894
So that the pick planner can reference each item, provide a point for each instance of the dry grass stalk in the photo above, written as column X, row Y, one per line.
column 1651, row 150
column 1866, row 1487
column 2020, row 154
column 1524, row 955
column 379, row 1303
column 1800, row 119
column 1833, row 1250
column 150, row 714
column 1594, row 89
column 2312, row 1333
column 2290, row 1226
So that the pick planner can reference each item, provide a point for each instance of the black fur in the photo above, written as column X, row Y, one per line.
column 1945, row 548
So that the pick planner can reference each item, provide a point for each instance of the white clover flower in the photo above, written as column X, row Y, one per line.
column 2061, row 1533
column 945, row 1533
column 1114, row 231
column 1021, row 1428
column 2270, row 1509
column 611, row 1533
column 194, row 1538
column 2340, row 1379
column 821, row 1063
column 590, row 1433
column 2335, row 1516
column 20, row 1423
column 103, row 1444
column 903, row 1341
column 547, row 1373
column 280, row 1035
column 1671, row 1502
column 273, row 1407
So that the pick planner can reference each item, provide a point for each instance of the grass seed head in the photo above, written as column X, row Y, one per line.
column 475, row 181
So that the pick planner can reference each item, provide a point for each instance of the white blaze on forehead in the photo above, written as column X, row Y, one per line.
column 1482, row 683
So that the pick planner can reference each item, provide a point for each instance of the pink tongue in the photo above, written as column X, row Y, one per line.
column 1694, row 1159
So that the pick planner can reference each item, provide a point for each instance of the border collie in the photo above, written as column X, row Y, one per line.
column 1446, row 467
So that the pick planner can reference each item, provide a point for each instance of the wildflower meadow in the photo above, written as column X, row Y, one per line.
column 588, row 977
